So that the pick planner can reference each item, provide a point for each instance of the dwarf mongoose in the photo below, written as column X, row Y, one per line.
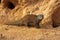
column 29, row 20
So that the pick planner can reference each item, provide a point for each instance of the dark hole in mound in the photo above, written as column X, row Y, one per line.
column 55, row 25
column 0, row 1
column 10, row 5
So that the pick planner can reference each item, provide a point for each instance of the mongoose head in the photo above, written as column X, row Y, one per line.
column 40, row 17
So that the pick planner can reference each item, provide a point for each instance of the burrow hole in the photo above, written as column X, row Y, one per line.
column 54, row 26
column 10, row 5
column 0, row 1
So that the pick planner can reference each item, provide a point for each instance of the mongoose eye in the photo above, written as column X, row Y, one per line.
column 40, row 17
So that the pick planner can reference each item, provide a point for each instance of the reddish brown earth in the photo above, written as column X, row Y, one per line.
column 14, row 10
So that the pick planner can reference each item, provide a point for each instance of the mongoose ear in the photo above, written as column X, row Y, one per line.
column 40, row 16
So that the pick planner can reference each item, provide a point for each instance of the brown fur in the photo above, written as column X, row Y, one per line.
column 28, row 20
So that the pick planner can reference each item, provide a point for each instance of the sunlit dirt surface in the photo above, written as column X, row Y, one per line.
column 14, row 10
column 24, row 33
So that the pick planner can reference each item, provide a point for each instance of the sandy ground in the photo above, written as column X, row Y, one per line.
column 49, row 8
column 23, row 33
